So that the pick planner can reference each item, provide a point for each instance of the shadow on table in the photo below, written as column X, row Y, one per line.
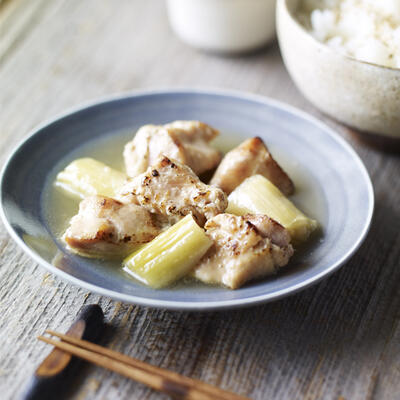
column 338, row 321
column 349, row 313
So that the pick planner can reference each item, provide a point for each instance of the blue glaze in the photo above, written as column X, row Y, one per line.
column 335, row 173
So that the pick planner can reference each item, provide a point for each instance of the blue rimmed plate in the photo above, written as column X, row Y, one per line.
column 332, row 186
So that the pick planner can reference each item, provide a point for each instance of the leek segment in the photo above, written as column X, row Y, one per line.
column 170, row 256
column 257, row 195
column 87, row 177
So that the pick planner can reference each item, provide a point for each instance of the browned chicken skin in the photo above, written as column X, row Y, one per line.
column 105, row 227
column 184, row 141
column 173, row 190
column 163, row 162
column 245, row 248
column 250, row 158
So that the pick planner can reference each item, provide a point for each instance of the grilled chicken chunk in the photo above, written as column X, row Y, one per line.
column 171, row 189
column 245, row 248
column 184, row 141
column 250, row 158
column 105, row 227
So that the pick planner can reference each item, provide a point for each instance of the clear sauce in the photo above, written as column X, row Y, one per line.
column 59, row 208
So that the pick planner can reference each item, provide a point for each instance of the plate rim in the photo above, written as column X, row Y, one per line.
column 192, row 305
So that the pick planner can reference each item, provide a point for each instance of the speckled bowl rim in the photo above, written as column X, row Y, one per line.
column 330, row 49
column 206, row 305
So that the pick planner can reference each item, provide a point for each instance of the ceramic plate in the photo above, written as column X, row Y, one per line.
column 332, row 186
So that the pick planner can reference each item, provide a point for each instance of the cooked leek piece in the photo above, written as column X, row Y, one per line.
column 257, row 195
column 86, row 176
column 170, row 256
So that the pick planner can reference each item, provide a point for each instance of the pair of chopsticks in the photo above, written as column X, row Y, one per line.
column 177, row 386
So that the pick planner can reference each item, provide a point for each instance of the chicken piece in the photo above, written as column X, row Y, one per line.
column 245, row 248
column 105, row 227
column 250, row 158
column 171, row 189
column 184, row 141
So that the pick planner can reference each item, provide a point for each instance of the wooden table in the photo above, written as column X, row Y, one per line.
column 337, row 340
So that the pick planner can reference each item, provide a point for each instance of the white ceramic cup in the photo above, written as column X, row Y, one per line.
column 228, row 26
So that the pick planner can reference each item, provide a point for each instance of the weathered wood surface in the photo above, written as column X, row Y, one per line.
column 337, row 340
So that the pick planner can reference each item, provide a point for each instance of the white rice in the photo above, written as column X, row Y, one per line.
column 368, row 30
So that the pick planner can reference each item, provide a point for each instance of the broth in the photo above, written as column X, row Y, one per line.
column 59, row 207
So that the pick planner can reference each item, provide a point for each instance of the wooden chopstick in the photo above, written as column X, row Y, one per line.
column 178, row 386
column 173, row 376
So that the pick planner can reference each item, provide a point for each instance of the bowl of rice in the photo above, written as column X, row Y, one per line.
column 344, row 55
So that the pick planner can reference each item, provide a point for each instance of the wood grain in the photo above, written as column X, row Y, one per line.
column 337, row 340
